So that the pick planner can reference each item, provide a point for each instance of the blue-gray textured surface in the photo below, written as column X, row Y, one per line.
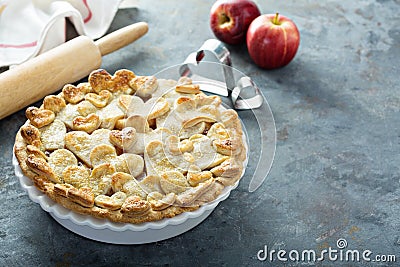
column 336, row 170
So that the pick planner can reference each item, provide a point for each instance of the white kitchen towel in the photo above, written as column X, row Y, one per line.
column 31, row 27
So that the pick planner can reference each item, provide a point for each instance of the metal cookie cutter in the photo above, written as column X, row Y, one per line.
column 244, row 94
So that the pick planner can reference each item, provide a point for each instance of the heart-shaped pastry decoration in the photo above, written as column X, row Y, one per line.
column 82, row 196
column 88, row 124
column 39, row 117
column 213, row 191
column 151, row 109
column 36, row 152
column 81, row 143
column 110, row 114
column 156, row 159
column 224, row 147
column 61, row 159
column 102, row 154
column 159, row 201
column 204, row 153
column 144, row 136
column 133, row 188
column 119, row 179
column 84, row 108
column 173, row 182
column 227, row 171
column 131, row 148
column 218, row 131
column 128, row 163
column 100, row 178
column 52, row 135
column 40, row 166
column 207, row 100
column 31, row 135
column 188, row 197
column 134, row 206
column 151, row 183
column 124, row 138
column 173, row 122
column 54, row 103
column 113, row 202
column 196, row 120
column 188, row 88
column 77, row 176
column 139, row 123
column 75, row 94
column 102, row 80
column 144, row 86
column 99, row 100
column 196, row 176
column 69, row 113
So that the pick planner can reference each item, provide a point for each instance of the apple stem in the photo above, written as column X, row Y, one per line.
column 224, row 19
column 276, row 19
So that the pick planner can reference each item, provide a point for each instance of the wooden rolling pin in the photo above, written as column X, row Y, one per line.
column 67, row 63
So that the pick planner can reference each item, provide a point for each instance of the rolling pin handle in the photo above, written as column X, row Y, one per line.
column 121, row 37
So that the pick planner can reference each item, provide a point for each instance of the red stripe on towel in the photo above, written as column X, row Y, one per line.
column 18, row 45
column 89, row 16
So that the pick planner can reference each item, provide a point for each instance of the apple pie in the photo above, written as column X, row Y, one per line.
column 131, row 148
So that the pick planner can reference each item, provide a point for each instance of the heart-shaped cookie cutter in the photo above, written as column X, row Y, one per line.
column 233, row 89
column 242, row 94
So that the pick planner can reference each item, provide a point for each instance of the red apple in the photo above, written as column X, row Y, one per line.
column 272, row 40
column 230, row 19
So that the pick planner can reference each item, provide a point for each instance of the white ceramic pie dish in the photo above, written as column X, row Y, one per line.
column 124, row 233
column 104, row 230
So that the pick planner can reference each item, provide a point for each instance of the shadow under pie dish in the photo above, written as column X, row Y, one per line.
column 132, row 149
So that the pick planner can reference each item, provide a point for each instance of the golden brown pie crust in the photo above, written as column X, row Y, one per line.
column 184, row 147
